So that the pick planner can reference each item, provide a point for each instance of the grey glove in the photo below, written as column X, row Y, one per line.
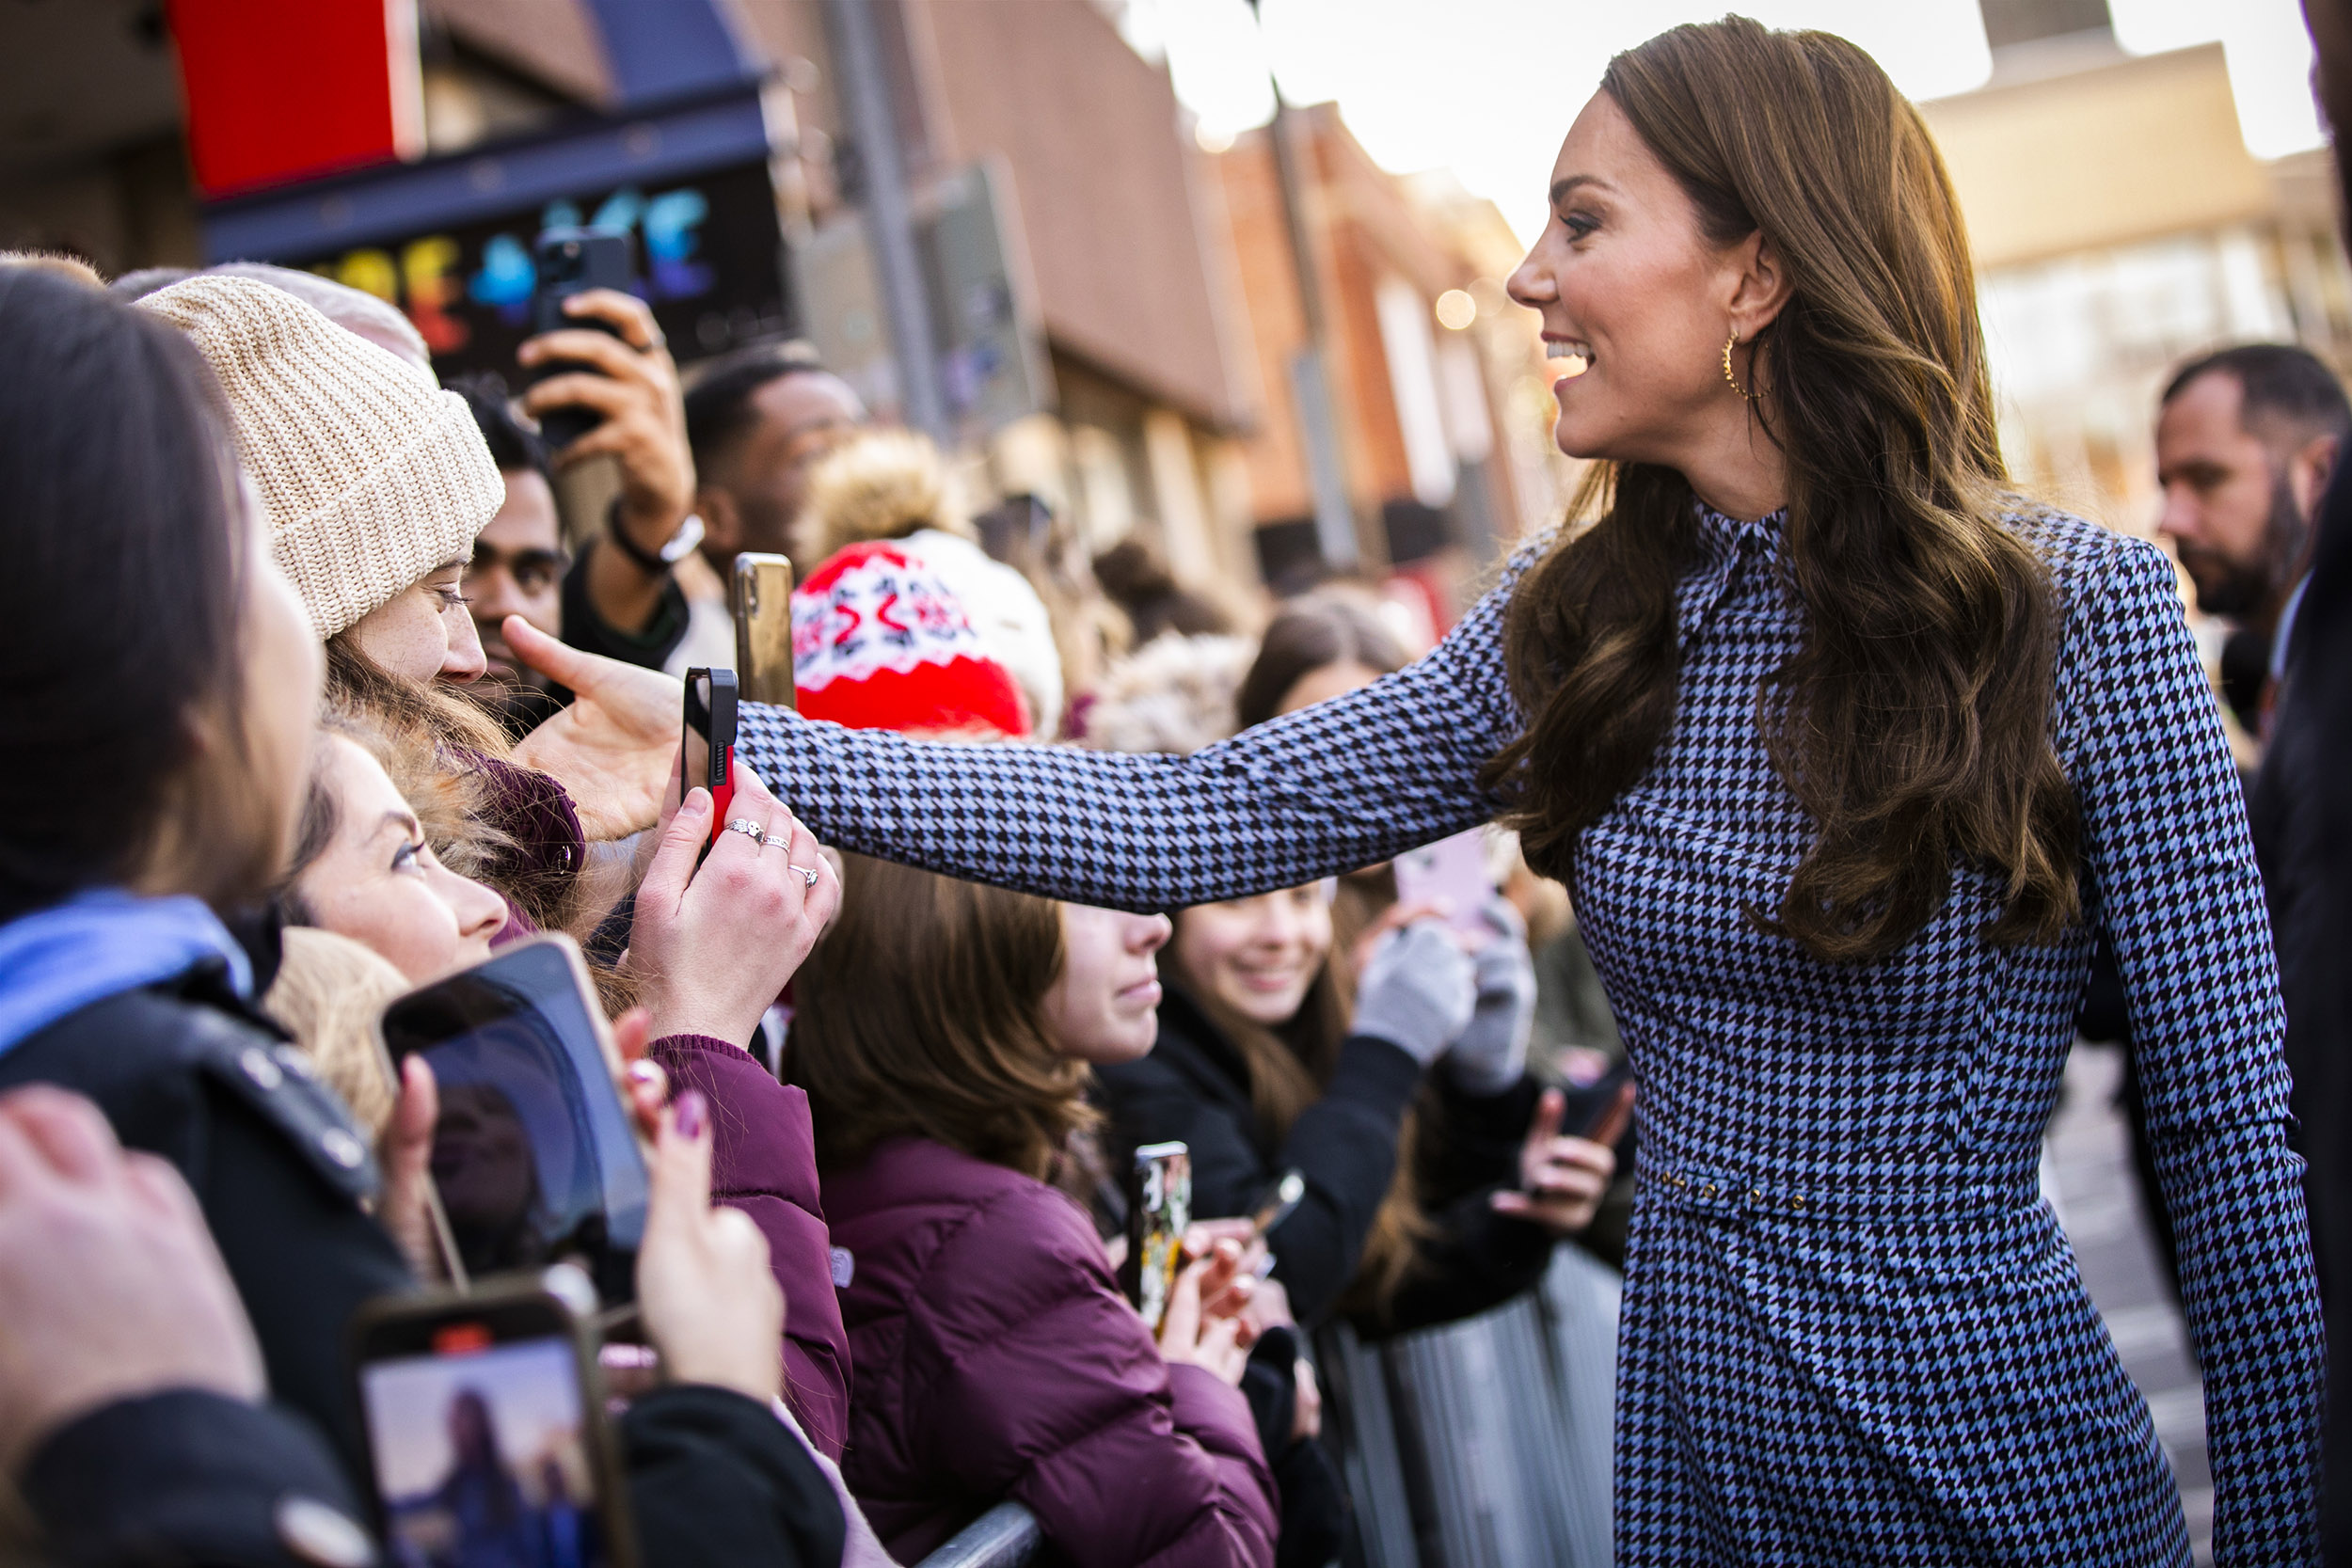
column 1417, row 990
column 1491, row 1054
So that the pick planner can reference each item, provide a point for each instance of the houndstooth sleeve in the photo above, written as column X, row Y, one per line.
column 2172, row 880
column 1345, row 784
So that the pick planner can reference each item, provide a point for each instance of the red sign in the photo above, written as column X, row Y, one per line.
column 278, row 90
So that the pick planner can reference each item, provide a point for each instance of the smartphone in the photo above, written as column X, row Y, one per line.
column 571, row 262
column 1451, row 871
column 534, row 1157
column 485, row 1432
column 760, row 594
column 1278, row 1202
column 707, row 753
column 1159, row 1206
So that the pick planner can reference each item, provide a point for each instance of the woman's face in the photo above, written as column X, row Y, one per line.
column 1106, row 1005
column 284, row 668
column 426, row 633
column 1322, row 685
column 1257, row 956
column 378, row 884
column 1628, row 286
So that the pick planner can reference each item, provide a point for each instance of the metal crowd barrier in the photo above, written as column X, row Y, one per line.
column 1485, row 1443
column 1006, row 1536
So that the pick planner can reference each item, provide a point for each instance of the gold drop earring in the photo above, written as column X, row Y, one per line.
column 1729, row 343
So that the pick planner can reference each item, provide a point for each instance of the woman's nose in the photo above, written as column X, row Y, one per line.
column 1151, row 933
column 1531, row 285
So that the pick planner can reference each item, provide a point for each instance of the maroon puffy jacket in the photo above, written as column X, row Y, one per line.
column 763, row 1161
column 995, row 1358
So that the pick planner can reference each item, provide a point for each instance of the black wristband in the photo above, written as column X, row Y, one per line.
column 652, row 564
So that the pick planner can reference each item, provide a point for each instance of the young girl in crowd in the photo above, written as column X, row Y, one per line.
column 942, row 1032
column 1274, row 1055
column 363, row 870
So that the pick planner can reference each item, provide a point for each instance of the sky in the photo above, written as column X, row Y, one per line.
column 1488, row 88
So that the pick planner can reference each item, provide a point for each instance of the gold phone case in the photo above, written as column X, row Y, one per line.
column 760, row 596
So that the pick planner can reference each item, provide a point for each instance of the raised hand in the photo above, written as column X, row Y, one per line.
column 611, row 748
column 709, row 1301
column 1187, row 1333
column 714, row 946
column 1564, row 1178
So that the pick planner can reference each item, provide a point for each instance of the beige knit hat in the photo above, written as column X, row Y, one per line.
column 370, row 475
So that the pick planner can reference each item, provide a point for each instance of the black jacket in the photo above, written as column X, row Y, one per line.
column 1195, row 1089
column 190, row 1480
column 186, row 1071
column 185, row 1478
column 2302, row 814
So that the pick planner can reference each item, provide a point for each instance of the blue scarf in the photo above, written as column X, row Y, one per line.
column 58, row 961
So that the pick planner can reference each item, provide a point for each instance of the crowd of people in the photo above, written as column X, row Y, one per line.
column 1872, row 780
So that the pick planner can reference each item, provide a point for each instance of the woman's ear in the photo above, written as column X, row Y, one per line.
column 1760, row 288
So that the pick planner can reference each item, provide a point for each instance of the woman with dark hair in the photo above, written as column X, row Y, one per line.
column 942, row 1032
column 1845, row 751
column 158, row 722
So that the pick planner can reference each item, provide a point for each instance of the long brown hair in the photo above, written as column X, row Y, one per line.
column 1913, row 722
column 922, row 1013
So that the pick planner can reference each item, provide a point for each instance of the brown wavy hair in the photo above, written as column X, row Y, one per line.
column 1913, row 722
column 922, row 1013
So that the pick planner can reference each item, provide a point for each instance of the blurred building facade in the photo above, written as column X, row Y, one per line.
column 2121, row 226
column 1446, row 457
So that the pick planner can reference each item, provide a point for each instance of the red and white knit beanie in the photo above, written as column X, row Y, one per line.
column 879, row 641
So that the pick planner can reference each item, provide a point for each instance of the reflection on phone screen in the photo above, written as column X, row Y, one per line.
column 480, row 1455
column 534, row 1155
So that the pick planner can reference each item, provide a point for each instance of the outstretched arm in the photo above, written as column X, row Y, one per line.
column 2175, row 888
column 1343, row 785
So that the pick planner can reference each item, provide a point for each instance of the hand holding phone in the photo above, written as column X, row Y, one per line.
column 1452, row 873
column 486, row 1436
column 704, row 1293
column 713, row 952
column 535, row 1154
column 572, row 262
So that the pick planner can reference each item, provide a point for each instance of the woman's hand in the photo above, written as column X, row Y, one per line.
column 1491, row 1055
column 709, row 1302
column 1217, row 1344
column 1565, row 1178
column 110, row 1286
column 1417, row 992
column 405, row 1152
column 611, row 748
column 715, row 947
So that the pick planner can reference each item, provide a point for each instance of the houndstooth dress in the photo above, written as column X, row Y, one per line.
column 1852, row 1331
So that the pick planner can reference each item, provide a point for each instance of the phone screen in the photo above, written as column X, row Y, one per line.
column 535, row 1156
column 481, row 1456
column 707, row 748
column 1159, row 1206
column 1454, row 871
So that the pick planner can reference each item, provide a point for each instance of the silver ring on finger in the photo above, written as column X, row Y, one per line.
column 749, row 830
column 808, row 873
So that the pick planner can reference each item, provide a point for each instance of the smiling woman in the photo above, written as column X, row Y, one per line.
column 1847, row 754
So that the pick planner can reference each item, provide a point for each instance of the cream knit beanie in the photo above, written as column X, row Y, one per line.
column 370, row 475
